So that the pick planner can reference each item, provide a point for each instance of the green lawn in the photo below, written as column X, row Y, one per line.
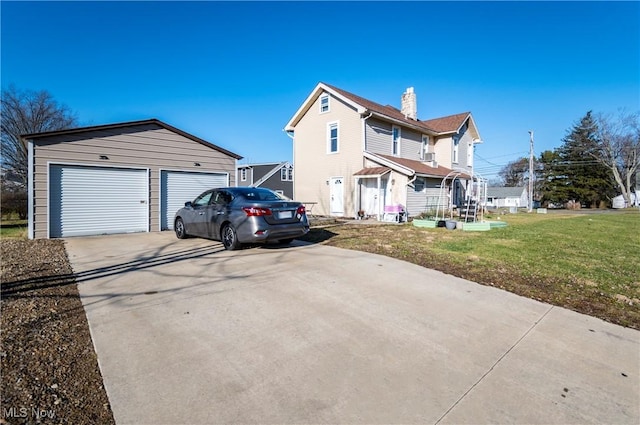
column 588, row 262
column 15, row 229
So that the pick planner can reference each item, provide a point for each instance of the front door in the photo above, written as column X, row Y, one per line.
column 370, row 197
column 336, row 193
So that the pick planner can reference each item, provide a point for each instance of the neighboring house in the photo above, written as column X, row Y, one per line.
column 498, row 196
column 277, row 176
column 352, row 154
column 619, row 201
column 118, row 178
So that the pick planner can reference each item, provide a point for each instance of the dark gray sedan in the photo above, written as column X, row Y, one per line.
column 242, row 215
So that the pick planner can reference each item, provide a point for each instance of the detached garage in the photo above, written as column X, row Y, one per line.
column 118, row 178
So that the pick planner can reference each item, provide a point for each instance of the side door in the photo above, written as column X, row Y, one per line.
column 336, row 193
column 197, row 223
column 219, row 212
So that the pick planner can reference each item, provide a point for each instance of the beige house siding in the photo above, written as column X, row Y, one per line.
column 443, row 149
column 311, row 155
column 146, row 146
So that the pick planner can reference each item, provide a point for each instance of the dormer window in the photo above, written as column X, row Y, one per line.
column 324, row 103
column 286, row 174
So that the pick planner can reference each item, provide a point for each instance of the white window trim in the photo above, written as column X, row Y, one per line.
column 286, row 174
column 329, row 125
column 424, row 147
column 456, row 147
column 399, row 140
column 243, row 174
column 325, row 96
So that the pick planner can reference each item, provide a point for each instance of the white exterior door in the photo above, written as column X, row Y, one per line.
column 336, row 193
column 370, row 196
column 178, row 187
column 97, row 200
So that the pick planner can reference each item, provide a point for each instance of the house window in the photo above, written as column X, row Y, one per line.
column 395, row 144
column 324, row 103
column 286, row 174
column 332, row 137
column 424, row 148
column 243, row 174
column 419, row 184
column 456, row 143
column 470, row 154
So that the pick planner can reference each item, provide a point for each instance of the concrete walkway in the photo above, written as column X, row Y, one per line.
column 189, row 333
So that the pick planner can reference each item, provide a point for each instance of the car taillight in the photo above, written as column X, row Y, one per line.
column 301, row 210
column 256, row 211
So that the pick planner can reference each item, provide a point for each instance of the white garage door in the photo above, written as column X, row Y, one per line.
column 177, row 187
column 96, row 200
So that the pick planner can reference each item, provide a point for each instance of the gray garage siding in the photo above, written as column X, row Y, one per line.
column 147, row 145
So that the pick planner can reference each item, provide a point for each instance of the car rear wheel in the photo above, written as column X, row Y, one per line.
column 181, row 231
column 230, row 238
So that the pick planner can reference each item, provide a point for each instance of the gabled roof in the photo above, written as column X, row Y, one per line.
column 270, row 173
column 121, row 125
column 504, row 192
column 438, row 126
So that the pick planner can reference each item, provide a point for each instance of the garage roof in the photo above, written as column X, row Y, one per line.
column 155, row 121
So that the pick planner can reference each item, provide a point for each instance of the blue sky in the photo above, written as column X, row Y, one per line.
column 234, row 73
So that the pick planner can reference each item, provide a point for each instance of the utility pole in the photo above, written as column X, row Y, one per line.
column 530, row 170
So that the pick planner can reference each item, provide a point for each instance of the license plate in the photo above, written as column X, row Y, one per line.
column 285, row 214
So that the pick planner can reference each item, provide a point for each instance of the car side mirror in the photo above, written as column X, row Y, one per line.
column 188, row 204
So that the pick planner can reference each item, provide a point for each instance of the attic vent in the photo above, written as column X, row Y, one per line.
column 409, row 104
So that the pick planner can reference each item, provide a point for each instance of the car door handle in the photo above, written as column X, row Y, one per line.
column 200, row 213
column 220, row 213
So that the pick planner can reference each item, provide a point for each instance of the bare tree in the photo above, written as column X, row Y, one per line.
column 619, row 148
column 515, row 173
column 24, row 112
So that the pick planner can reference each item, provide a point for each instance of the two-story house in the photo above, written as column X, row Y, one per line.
column 352, row 154
column 277, row 176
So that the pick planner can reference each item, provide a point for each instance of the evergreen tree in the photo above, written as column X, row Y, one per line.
column 571, row 172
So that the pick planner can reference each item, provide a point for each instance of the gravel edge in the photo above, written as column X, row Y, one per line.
column 50, row 371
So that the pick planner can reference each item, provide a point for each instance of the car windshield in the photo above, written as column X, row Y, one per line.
column 257, row 194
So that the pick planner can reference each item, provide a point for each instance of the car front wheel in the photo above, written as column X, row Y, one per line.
column 230, row 238
column 181, row 231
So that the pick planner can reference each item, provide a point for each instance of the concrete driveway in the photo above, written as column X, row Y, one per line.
column 188, row 333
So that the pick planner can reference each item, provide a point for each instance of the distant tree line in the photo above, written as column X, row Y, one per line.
column 598, row 159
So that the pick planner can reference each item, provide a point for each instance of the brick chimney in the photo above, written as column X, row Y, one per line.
column 409, row 104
